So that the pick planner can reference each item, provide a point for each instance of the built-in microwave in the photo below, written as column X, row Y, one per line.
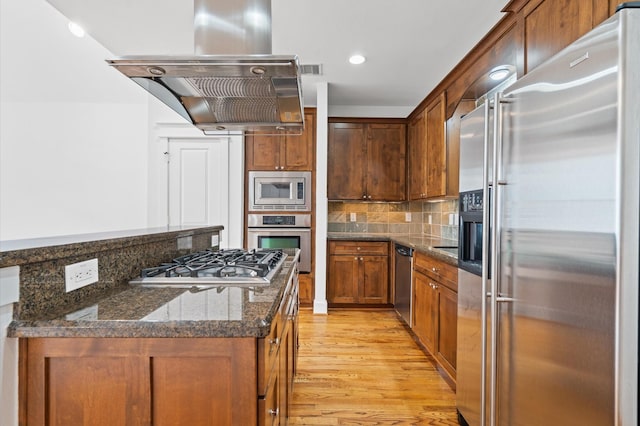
column 279, row 191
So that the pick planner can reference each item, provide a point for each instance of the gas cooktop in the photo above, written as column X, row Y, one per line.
column 215, row 268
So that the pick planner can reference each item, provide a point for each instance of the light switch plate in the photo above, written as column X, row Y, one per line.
column 80, row 274
column 352, row 217
column 407, row 217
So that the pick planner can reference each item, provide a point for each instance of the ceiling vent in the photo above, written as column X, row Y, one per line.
column 315, row 69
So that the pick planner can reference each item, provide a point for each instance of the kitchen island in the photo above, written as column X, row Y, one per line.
column 132, row 355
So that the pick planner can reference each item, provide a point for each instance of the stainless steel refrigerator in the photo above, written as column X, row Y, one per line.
column 548, row 320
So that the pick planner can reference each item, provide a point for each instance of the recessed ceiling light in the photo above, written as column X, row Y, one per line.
column 499, row 73
column 357, row 59
column 76, row 29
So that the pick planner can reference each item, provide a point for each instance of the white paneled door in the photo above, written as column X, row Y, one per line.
column 199, row 182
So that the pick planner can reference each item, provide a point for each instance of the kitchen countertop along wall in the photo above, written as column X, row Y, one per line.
column 425, row 244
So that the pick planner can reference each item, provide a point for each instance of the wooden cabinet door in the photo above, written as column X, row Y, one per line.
column 297, row 151
column 417, row 159
column 347, row 161
column 386, row 162
column 343, row 279
column 134, row 381
column 425, row 315
column 447, row 329
column 263, row 152
column 436, row 148
column 374, row 286
column 551, row 25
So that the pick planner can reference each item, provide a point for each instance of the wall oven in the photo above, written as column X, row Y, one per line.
column 280, row 191
column 281, row 231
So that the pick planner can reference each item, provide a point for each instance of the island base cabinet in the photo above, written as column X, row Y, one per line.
column 137, row 381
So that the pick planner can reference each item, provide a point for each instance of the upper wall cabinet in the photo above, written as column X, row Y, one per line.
column 429, row 165
column 551, row 25
column 283, row 152
column 366, row 161
column 417, row 147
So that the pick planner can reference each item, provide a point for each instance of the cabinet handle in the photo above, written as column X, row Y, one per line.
column 357, row 248
column 274, row 411
column 361, row 259
column 436, row 270
column 364, row 197
column 369, row 196
column 274, row 342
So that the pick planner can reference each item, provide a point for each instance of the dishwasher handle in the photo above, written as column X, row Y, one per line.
column 404, row 251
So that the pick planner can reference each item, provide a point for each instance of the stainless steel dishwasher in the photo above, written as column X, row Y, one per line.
column 403, row 265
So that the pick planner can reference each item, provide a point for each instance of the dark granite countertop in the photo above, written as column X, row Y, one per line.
column 425, row 245
column 133, row 311
column 18, row 252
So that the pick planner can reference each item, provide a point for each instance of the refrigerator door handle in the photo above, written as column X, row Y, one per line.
column 486, row 184
column 495, row 231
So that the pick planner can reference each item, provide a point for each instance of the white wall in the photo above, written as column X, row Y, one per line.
column 73, row 131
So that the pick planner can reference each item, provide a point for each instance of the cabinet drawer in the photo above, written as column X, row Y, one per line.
column 437, row 270
column 377, row 248
column 268, row 353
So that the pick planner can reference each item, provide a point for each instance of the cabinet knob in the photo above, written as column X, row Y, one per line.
column 434, row 269
column 369, row 196
column 274, row 411
column 361, row 259
column 364, row 196
column 357, row 248
column 355, row 258
column 275, row 341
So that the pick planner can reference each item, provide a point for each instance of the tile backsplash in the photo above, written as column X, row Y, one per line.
column 436, row 219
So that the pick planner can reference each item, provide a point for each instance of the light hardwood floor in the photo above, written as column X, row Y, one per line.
column 359, row 367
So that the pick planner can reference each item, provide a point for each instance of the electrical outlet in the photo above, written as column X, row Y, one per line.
column 430, row 219
column 407, row 217
column 450, row 218
column 80, row 274
column 352, row 217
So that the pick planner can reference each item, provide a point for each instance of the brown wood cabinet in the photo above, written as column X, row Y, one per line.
column 428, row 153
column 358, row 272
column 282, row 152
column 551, row 25
column 417, row 147
column 436, row 148
column 435, row 313
column 306, row 290
column 138, row 381
column 162, row 381
column 367, row 161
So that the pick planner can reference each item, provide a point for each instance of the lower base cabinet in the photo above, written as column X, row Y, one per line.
column 358, row 273
column 138, row 381
column 435, row 313
column 162, row 381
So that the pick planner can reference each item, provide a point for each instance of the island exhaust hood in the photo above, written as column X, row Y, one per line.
column 233, row 82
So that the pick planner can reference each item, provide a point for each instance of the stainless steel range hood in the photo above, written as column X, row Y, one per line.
column 233, row 82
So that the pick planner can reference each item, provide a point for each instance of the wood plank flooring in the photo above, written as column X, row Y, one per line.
column 361, row 367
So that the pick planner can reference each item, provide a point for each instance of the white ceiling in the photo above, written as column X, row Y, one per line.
column 410, row 45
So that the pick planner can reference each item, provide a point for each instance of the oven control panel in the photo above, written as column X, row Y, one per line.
column 297, row 220
column 279, row 220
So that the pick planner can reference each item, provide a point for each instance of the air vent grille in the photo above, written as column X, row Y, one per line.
column 313, row 69
column 243, row 110
column 233, row 87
